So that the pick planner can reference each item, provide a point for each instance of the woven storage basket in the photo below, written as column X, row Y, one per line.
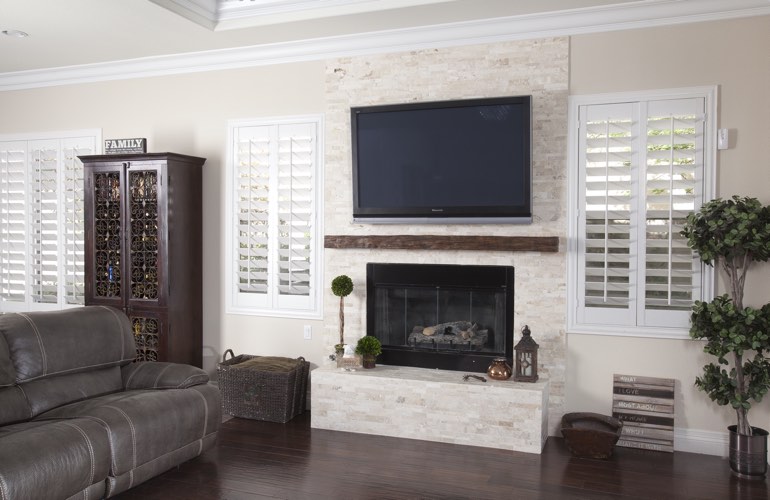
column 257, row 390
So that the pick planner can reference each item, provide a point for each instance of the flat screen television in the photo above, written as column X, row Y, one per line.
column 460, row 161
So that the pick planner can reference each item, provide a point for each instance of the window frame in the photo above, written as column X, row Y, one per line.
column 288, row 310
column 64, row 257
column 709, row 94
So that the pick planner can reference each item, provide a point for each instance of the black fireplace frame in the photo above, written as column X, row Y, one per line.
column 441, row 276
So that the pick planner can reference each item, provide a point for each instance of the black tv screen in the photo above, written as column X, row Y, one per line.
column 449, row 161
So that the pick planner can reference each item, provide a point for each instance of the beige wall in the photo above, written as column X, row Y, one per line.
column 732, row 55
column 188, row 114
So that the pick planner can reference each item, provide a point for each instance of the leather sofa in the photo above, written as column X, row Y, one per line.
column 80, row 419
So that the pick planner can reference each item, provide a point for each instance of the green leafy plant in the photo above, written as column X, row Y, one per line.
column 368, row 346
column 342, row 286
column 731, row 235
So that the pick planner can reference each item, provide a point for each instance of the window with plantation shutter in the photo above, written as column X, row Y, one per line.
column 641, row 164
column 274, row 178
column 41, row 213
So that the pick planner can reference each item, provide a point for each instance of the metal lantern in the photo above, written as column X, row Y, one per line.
column 526, row 357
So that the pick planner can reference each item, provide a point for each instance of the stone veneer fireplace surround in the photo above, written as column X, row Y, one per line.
column 529, row 67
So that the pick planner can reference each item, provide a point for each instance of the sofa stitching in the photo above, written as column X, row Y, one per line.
column 205, row 412
column 113, row 454
column 77, row 370
column 157, row 379
column 29, row 405
column 133, row 433
column 90, row 453
column 131, row 377
column 39, row 341
column 119, row 329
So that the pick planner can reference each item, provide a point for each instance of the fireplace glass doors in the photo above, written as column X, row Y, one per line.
column 441, row 316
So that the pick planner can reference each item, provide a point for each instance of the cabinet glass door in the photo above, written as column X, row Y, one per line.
column 144, row 238
column 106, row 228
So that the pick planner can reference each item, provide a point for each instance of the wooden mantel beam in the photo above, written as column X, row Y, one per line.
column 436, row 242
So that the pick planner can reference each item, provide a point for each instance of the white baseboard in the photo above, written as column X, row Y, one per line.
column 699, row 441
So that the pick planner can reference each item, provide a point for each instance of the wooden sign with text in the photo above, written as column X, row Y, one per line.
column 646, row 407
column 125, row 146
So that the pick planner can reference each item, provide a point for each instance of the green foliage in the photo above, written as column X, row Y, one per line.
column 730, row 229
column 731, row 234
column 342, row 286
column 368, row 345
column 729, row 330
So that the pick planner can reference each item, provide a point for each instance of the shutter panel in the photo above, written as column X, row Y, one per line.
column 252, row 189
column 608, row 223
column 73, row 217
column 13, row 219
column 43, row 162
column 296, row 207
column 672, row 186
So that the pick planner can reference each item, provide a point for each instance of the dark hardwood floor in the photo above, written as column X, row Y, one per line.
column 263, row 460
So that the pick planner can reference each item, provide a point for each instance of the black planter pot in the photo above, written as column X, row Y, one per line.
column 748, row 454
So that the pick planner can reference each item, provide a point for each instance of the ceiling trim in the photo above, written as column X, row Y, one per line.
column 218, row 15
column 565, row 23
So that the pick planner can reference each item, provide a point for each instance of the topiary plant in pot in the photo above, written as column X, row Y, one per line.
column 369, row 348
column 342, row 286
column 731, row 235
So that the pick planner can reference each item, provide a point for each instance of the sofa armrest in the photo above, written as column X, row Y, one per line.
column 161, row 375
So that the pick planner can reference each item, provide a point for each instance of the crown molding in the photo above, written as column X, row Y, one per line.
column 633, row 15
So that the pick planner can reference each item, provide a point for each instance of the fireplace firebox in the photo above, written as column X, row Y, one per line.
column 450, row 317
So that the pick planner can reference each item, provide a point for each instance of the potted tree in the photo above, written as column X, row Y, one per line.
column 731, row 235
column 342, row 286
column 368, row 348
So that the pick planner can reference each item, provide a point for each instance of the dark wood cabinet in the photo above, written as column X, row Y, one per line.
column 143, row 248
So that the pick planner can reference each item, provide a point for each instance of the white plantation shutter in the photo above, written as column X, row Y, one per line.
column 296, row 208
column 275, row 189
column 608, row 227
column 41, row 246
column 43, row 168
column 13, row 210
column 641, row 170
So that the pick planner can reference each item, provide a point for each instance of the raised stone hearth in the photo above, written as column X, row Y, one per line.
column 432, row 405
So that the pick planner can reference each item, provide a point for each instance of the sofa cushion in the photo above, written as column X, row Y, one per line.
column 62, row 458
column 42, row 344
column 146, row 424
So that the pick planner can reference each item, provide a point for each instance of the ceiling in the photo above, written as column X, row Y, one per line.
column 91, row 40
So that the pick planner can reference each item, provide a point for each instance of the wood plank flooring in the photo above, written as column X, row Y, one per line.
column 263, row 460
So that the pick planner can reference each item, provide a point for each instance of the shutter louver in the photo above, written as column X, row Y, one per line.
column 252, row 191
column 13, row 218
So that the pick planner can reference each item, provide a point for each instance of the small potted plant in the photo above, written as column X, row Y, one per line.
column 731, row 235
column 342, row 286
column 368, row 348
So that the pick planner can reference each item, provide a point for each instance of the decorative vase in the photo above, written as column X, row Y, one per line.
column 499, row 369
column 369, row 361
column 748, row 454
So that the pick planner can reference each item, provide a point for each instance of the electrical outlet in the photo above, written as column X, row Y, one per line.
column 308, row 332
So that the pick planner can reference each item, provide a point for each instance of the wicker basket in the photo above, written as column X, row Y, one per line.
column 258, row 390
